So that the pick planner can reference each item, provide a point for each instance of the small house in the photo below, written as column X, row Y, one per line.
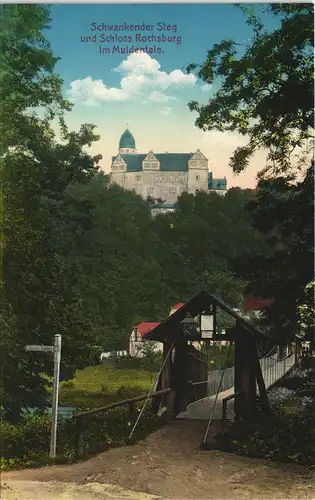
column 136, row 339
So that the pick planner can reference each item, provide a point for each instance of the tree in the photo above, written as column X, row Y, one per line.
column 306, row 313
column 266, row 88
column 37, row 293
column 27, row 77
column 265, row 93
column 284, row 213
column 199, row 241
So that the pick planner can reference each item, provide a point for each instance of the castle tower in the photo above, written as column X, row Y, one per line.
column 127, row 143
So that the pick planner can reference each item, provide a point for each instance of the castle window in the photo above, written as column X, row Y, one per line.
column 182, row 190
column 146, row 164
column 159, row 178
column 171, row 178
column 197, row 177
column 123, row 179
column 138, row 178
column 172, row 190
column 150, row 190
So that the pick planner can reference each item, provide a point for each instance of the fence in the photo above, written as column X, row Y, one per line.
column 272, row 368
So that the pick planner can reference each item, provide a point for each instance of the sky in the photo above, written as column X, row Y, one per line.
column 149, row 92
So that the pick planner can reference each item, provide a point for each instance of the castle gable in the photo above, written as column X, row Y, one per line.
column 150, row 162
column 118, row 163
column 198, row 160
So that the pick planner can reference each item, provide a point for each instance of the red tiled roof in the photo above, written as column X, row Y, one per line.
column 256, row 303
column 178, row 306
column 145, row 327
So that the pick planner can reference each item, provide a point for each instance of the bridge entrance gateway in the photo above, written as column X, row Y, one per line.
column 232, row 393
column 185, row 387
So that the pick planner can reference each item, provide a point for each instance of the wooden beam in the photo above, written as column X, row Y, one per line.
column 263, row 396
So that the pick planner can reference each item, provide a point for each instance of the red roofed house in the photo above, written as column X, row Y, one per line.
column 136, row 339
column 138, row 332
column 176, row 307
column 255, row 305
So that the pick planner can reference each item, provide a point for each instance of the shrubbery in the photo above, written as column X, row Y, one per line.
column 27, row 444
column 287, row 434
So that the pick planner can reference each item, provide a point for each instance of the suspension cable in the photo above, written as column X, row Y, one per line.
column 152, row 389
column 288, row 356
column 266, row 355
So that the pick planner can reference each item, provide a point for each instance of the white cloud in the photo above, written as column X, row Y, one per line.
column 165, row 111
column 91, row 92
column 139, row 63
column 159, row 97
column 206, row 87
column 140, row 72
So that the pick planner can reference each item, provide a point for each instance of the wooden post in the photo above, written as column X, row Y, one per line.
column 251, row 366
column 263, row 397
column 238, row 361
column 180, row 375
column 132, row 413
column 245, row 374
column 169, row 404
column 79, row 437
column 165, row 378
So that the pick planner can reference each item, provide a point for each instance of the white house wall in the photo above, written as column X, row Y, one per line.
column 135, row 348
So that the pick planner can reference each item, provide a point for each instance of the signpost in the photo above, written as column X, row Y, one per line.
column 56, row 350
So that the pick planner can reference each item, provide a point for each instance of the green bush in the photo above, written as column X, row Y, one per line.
column 286, row 435
column 126, row 392
column 281, row 436
column 27, row 444
column 69, row 384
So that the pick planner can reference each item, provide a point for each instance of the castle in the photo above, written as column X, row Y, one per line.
column 162, row 177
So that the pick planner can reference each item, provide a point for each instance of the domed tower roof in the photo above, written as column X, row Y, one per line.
column 127, row 140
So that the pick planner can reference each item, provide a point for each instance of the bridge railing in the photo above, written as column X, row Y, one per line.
column 81, row 418
column 272, row 369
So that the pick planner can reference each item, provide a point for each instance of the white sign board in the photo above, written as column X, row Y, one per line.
column 40, row 348
column 206, row 334
column 207, row 323
column 207, row 326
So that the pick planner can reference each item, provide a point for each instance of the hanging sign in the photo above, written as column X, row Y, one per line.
column 206, row 326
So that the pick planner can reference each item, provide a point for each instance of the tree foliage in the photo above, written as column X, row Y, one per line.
column 84, row 258
column 27, row 77
column 266, row 87
column 36, row 170
column 284, row 213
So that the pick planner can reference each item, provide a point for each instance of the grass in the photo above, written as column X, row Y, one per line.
column 100, row 385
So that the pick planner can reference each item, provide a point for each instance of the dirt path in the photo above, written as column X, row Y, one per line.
column 170, row 465
column 52, row 490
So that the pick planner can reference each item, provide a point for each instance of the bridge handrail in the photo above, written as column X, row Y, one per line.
column 120, row 403
column 193, row 384
column 225, row 401
column 79, row 417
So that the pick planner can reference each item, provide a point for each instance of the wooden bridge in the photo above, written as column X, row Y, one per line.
column 181, row 390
